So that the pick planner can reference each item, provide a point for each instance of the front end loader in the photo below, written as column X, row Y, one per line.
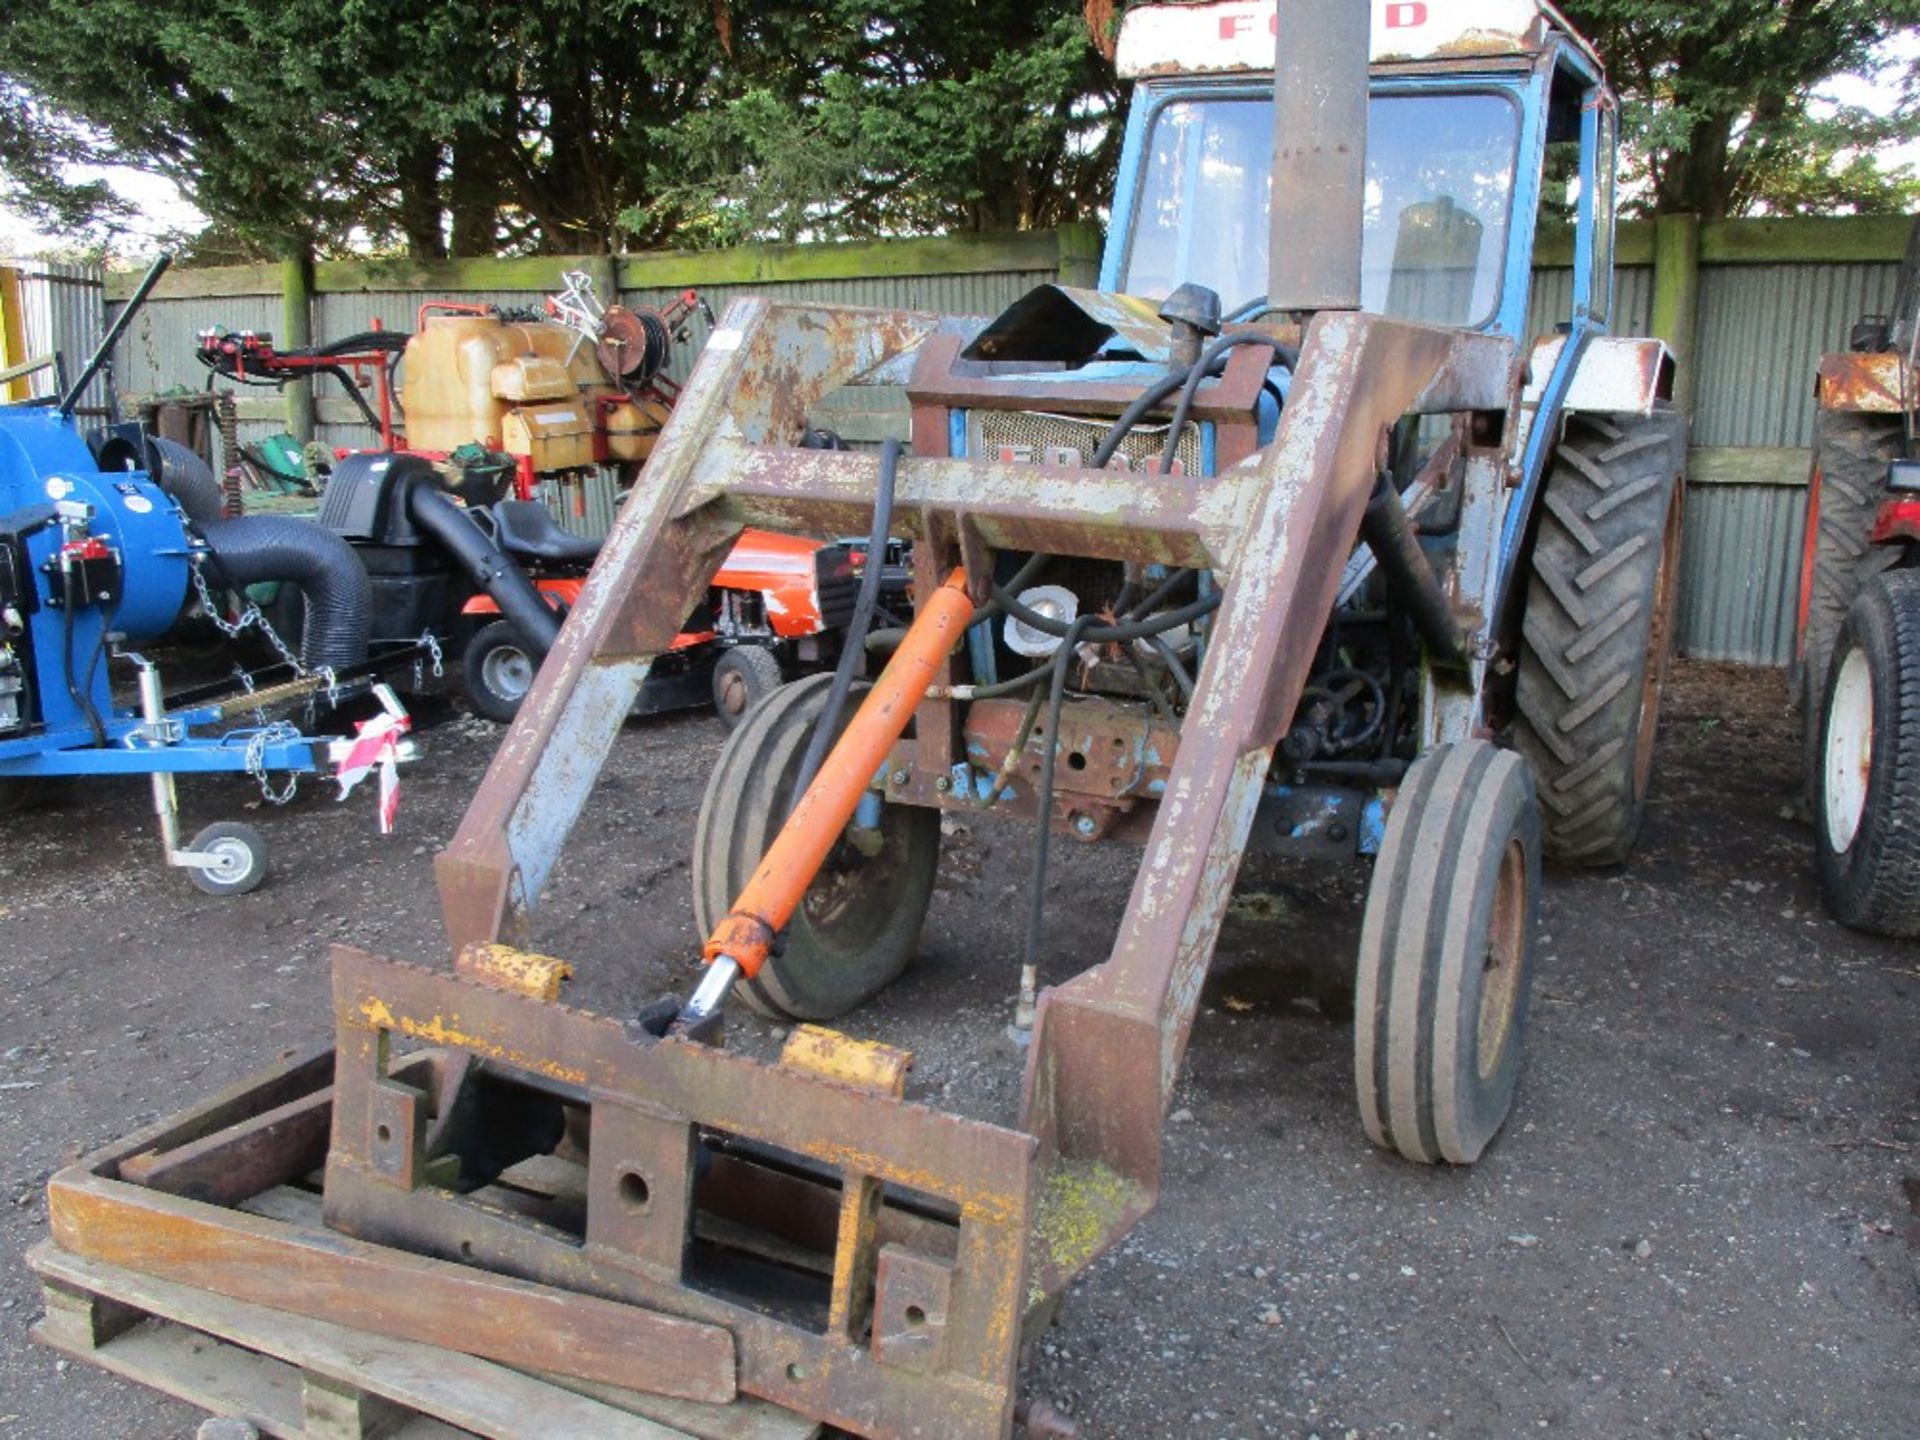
column 1268, row 545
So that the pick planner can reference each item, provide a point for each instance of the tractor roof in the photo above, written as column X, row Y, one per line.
column 1238, row 35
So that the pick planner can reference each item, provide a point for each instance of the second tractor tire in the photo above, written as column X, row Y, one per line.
column 1598, row 629
column 1866, row 783
column 859, row 925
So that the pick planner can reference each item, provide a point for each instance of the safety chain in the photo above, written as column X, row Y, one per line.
column 278, row 733
column 250, row 616
column 428, row 639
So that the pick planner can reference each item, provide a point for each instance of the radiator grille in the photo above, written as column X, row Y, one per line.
column 1025, row 437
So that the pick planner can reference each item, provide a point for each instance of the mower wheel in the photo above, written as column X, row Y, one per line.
column 1866, row 788
column 497, row 671
column 1598, row 629
column 1446, row 955
column 240, row 857
column 859, row 925
column 743, row 677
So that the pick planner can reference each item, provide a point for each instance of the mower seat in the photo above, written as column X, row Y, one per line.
column 524, row 528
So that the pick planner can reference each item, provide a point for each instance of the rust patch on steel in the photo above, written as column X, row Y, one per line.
column 1879, row 384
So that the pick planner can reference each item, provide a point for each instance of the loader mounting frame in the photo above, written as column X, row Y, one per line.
column 944, row 1239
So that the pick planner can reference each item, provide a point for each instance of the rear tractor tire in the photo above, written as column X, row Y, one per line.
column 1851, row 452
column 1866, row 786
column 1446, row 955
column 859, row 925
column 1598, row 629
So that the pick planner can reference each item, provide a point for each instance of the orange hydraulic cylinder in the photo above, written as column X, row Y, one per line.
column 801, row 848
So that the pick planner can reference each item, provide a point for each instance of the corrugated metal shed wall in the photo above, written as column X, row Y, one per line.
column 1762, row 329
column 64, row 312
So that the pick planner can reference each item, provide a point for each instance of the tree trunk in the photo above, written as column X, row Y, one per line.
column 474, row 190
column 420, row 209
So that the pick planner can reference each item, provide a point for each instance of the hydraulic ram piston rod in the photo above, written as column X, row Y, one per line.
column 740, row 943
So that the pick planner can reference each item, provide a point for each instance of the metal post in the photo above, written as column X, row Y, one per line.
column 296, row 324
column 1319, row 155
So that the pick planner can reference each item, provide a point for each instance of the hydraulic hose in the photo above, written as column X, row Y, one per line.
column 1209, row 359
column 864, row 605
column 1389, row 533
column 433, row 511
column 322, row 566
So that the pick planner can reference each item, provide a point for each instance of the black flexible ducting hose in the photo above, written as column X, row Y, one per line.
column 187, row 478
column 329, row 576
column 489, row 567
column 827, row 728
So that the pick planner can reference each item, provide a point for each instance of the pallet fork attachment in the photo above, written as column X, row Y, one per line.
column 795, row 1231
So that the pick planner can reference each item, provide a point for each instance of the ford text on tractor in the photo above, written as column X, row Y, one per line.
column 1265, row 545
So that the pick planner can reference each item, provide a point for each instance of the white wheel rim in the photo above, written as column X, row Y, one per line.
column 231, row 860
column 1848, row 761
column 508, row 672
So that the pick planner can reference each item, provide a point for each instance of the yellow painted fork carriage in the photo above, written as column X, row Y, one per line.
column 695, row 1183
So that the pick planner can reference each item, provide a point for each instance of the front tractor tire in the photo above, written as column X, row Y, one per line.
column 858, row 926
column 1446, row 955
column 1598, row 629
column 1866, row 784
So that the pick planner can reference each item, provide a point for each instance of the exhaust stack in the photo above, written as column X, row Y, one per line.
column 1319, row 155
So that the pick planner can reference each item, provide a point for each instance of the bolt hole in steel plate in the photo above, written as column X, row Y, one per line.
column 1506, row 956
column 633, row 1190
column 1076, row 761
column 383, row 1133
column 1849, row 757
column 916, row 1317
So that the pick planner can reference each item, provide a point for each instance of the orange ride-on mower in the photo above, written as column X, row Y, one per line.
column 512, row 416
column 1211, row 586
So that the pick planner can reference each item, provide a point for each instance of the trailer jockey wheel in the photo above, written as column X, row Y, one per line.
column 1446, row 955
column 859, row 925
column 239, row 855
column 742, row 678
column 1866, row 789
column 497, row 671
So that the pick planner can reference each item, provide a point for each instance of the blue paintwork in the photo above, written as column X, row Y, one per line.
column 44, row 460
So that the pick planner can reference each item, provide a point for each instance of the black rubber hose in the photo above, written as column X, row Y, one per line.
column 1111, row 634
column 187, row 478
column 1078, row 630
column 1209, row 359
column 322, row 566
column 1390, row 535
column 523, row 607
column 82, row 701
column 827, row 729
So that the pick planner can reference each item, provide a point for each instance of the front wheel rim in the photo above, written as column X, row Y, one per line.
column 232, row 861
column 1847, row 764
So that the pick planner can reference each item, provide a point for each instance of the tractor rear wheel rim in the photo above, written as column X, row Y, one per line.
column 1505, row 959
column 1848, row 761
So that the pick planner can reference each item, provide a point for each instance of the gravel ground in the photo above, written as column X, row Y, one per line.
column 1700, row 1223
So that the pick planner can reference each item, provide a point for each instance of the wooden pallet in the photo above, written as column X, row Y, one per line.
column 305, row 1379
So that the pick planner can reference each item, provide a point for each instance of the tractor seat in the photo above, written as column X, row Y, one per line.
column 523, row 527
